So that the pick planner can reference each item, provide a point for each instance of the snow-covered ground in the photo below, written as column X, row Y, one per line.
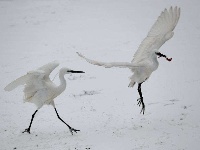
column 99, row 102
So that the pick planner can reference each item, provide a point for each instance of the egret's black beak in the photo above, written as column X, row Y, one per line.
column 72, row 71
column 162, row 55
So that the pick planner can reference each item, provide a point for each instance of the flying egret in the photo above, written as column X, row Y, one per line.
column 145, row 59
column 40, row 90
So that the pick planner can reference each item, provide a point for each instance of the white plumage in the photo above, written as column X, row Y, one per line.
column 40, row 90
column 160, row 32
column 145, row 59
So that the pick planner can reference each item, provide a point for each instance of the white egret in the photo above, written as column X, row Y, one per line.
column 145, row 59
column 40, row 90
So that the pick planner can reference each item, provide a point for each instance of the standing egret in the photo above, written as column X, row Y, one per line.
column 145, row 59
column 40, row 90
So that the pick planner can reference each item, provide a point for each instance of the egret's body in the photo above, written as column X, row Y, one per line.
column 145, row 59
column 40, row 90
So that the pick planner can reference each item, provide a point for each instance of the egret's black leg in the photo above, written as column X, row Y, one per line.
column 70, row 128
column 140, row 100
column 28, row 129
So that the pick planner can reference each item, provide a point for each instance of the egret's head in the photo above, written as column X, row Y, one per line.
column 68, row 71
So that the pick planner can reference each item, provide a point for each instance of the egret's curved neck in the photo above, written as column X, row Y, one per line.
column 154, row 58
column 155, row 62
column 62, row 85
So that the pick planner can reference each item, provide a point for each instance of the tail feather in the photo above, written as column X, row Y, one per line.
column 131, row 84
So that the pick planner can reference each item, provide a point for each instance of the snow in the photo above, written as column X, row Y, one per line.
column 99, row 103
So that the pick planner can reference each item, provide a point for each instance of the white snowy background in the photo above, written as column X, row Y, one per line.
column 99, row 102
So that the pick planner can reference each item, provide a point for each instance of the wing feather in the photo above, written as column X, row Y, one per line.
column 26, row 79
column 20, row 81
column 33, row 76
column 109, row 64
column 160, row 32
column 48, row 68
column 35, row 82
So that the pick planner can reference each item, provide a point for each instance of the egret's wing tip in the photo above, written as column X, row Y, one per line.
column 80, row 55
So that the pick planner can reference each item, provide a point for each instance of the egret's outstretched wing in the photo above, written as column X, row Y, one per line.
column 110, row 64
column 30, row 77
column 48, row 68
column 160, row 32
column 43, row 71
column 20, row 81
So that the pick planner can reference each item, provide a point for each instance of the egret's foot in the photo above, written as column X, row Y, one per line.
column 73, row 130
column 140, row 102
column 27, row 130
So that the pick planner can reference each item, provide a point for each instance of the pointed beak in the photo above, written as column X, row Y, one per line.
column 162, row 55
column 72, row 71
